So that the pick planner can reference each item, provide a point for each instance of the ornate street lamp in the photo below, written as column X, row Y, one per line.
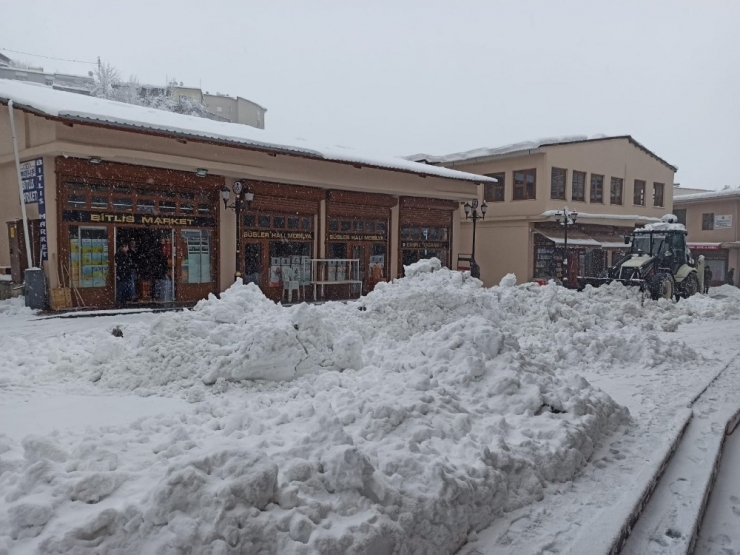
column 565, row 218
column 240, row 197
column 471, row 213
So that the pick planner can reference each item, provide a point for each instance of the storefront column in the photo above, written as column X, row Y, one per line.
column 51, row 266
column 227, row 243
column 322, row 229
column 395, row 240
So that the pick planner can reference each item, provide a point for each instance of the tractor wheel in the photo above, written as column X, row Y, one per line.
column 690, row 285
column 663, row 287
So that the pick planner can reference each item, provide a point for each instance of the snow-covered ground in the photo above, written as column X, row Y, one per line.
column 431, row 414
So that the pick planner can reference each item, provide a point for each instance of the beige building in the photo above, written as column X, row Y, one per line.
column 225, row 107
column 711, row 218
column 321, row 222
column 614, row 183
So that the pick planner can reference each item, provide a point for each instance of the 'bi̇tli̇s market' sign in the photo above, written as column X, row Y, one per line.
column 143, row 219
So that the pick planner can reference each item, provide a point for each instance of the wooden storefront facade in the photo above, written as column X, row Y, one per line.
column 174, row 220
column 171, row 216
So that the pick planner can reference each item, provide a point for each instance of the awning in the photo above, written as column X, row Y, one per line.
column 610, row 241
column 575, row 238
column 704, row 246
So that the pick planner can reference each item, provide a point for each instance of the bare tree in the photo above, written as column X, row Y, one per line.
column 106, row 79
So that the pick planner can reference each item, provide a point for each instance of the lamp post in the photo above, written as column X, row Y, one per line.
column 471, row 213
column 565, row 218
column 240, row 196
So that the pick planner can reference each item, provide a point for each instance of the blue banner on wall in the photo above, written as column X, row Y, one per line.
column 32, row 176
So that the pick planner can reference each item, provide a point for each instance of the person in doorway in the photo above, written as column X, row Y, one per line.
column 707, row 278
column 135, row 267
column 124, row 273
column 731, row 277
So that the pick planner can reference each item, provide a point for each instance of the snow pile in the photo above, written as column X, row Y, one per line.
column 400, row 423
column 724, row 291
column 15, row 306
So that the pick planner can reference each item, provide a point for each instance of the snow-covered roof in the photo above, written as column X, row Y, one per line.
column 48, row 102
column 710, row 195
column 526, row 147
column 587, row 216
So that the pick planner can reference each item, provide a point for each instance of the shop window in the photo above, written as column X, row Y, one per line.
column 253, row 263
column 525, row 184
column 204, row 209
column 250, row 220
column 293, row 223
column 77, row 186
column 187, row 207
column 658, row 194
column 88, row 256
column 333, row 225
column 76, row 201
column 597, row 188
column 263, row 221
column 123, row 204
column 146, row 192
column 639, row 193
column 680, row 213
column 615, row 191
column 382, row 227
column 557, row 183
column 494, row 192
column 345, row 225
column 100, row 203
column 186, row 195
column 278, row 222
column 145, row 205
column 578, row 186
column 337, row 250
column 122, row 189
column 707, row 221
column 167, row 206
column 307, row 224
column 357, row 226
column 377, row 261
column 370, row 227
column 196, row 260
column 101, row 188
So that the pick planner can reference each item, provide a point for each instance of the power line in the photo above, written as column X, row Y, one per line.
column 47, row 57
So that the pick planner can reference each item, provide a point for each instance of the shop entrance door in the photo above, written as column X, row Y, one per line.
column 194, row 272
column 151, row 261
column 253, row 263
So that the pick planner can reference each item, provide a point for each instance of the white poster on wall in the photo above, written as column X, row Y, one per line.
column 723, row 222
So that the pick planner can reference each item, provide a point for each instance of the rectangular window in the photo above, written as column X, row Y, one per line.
column 307, row 224
column 101, row 203
column 187, row 207
column 707, row 221
column 204, row 209
column 76, row 201
column 494, row 192
column 525, row 184
column 278, row 222
column 250, row 220
column 639, row 195
column 264, row 221
column 145, row 205
column 680, row 213
column 196, row 260
column 293, row 223
column 167, row 206
column 88, row 256
column 557, row 183
column 122, row 204
column 578, row 186
column 658, row 194
column 345, row 225
column 615, row 192
column 333, row 225
column 597, row 188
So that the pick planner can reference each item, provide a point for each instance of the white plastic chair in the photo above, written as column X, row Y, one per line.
column 291, row 283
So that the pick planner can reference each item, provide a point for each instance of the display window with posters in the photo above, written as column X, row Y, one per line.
column 278, row 235
column 136, row 235
column 425, row 230
column 357, row 230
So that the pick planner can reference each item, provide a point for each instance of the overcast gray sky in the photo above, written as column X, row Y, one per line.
column 401, row 77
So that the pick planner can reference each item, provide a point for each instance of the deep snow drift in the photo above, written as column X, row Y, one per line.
column 399, row 423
